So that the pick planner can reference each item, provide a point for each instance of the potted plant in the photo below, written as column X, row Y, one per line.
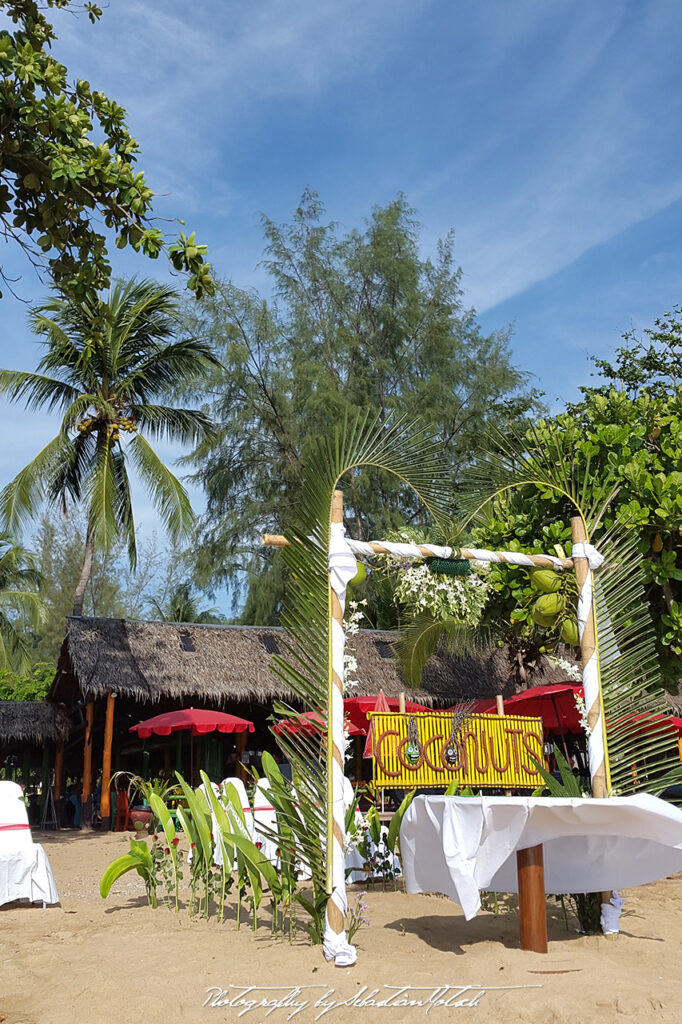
column 139, row 792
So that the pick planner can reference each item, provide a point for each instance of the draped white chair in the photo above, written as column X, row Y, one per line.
column 25, row 872
column 264, row 814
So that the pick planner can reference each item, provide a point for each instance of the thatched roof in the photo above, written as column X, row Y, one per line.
column 148, row 661
column 675, row 703
column 32, row 721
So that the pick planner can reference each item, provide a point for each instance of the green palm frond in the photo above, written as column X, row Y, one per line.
column 21, row 498
column 398, row 448
column 102, row 496
column 169, row 496
column 165, row 422
column 525, row 456
column 39, row 391
column 641, row 748
column 642, row 742
column 421, row 637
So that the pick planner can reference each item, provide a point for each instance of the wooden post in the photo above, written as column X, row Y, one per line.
column 588, row 647
column 241, row 747
column 58, row 771
column 105, row 797
column 334, row 916
column 87, row 765
column 588, row 643
column 401, row 703
column 532, row 909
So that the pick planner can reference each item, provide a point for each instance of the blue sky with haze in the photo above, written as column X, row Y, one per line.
column 547, row 135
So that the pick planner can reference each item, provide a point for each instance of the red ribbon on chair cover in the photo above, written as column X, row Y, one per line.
column 12, row 828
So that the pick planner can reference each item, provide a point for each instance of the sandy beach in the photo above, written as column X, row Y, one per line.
column 118, row 960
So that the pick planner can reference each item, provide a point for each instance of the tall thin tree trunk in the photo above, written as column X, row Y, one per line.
column 86, row 569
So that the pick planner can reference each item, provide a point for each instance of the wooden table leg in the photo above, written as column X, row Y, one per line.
column 532, row 909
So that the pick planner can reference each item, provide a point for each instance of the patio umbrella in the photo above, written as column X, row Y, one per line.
column 554, row 704
column 312, row 721
column 357, row 709
column 198, row 721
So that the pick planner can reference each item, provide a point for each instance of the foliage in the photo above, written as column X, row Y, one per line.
column 68, row 162
column 629, row 430
column 20, row 603
column 106, row 365
column 641, row 754
column 182, row 605
column 112, row 590
column 29, row 686
column 137, row 859
column 360, row 323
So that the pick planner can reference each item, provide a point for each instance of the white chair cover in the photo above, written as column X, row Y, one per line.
column 264, row 814
column 25, row 872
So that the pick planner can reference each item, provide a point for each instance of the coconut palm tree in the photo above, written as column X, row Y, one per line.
column 108, row 368
column 20, row 603
column 183, row 606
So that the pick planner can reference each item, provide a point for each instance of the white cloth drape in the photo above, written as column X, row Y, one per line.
column 460, row 845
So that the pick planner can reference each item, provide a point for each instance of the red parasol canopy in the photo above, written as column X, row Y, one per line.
column 554, row 704
column 358, row 708
column 312, row 721
column 198, row 720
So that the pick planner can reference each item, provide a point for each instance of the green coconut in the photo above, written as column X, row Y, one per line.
column 569, row 632
column 546, row 580
column 359, row 577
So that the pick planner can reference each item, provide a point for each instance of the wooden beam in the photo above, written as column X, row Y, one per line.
column 532, row 909
column 105, row 798
column 275, row 540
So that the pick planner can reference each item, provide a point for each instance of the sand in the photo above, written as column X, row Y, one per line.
column 117, row 960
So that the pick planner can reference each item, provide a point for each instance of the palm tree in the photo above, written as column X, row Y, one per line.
column 183, row 606
column 19, row 603
column 107, row 364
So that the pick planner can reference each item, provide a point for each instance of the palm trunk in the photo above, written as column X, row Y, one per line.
column 86, row 569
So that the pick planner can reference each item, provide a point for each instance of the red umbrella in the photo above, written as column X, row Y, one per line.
column 312, row 721
column 554, row 704
column 479, row 707
column 358, row 708
column 198, row 721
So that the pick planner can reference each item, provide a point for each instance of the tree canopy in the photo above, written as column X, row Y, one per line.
column 68, row 162
column 628, row 428
column 359, row 322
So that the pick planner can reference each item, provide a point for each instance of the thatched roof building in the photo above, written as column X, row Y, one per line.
column 154, row 661
column 33, row 721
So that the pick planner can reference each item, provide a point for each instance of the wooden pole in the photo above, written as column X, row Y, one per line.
column 87, row 765
column 105, row 797
column 58, row 771
column 335, row 917
column 532, row 909
column 275, row 540
column 588, row 649
column 401, row 703
column 241, row 747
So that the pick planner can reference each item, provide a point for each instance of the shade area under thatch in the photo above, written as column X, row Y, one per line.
column 150, row 661
column 33, row 721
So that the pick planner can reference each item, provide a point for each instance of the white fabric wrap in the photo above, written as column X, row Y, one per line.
column 512, row 557
column 342, row 569
column 610, row 914
column 595, row 741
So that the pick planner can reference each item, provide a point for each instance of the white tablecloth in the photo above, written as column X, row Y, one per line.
column 25, row 874
column 460, row 845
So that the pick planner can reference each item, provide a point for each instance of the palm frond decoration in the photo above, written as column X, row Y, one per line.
column 423, row 635
column 642, row 752
column 398, row 448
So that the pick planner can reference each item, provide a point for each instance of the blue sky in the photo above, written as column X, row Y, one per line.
column 545, row 134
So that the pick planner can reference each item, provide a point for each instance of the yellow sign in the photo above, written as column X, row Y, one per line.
column 488, row 751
